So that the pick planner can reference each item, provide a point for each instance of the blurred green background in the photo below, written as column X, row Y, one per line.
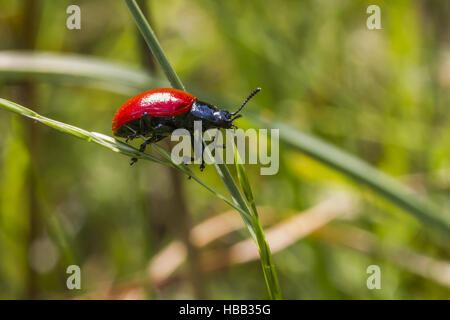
column 381, row 95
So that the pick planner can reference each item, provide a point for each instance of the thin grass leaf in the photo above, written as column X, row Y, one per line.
column 98, row 138
column 191, row 174
column 153, row 44
column 363, row 173
column 76, row 69
column 222, row 170
column 243, row 181
column 112, row 144
column 264, row 250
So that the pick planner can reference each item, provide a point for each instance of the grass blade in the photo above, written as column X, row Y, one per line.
column 98, row 138
column 264, row 250
column 363, row 173
column 222, row 170
column 76, row 69
column 243, row 181
column 153, row 44
column 112, row 144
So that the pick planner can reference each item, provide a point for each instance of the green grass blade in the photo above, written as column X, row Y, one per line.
column 110, row 143
column 98, row 138
column 153, row 44
column 191, row 174
column 222, row 169
column 244, row 182
column 76, row 69
column 363, row 173
column 236, row 195
column 264, row 250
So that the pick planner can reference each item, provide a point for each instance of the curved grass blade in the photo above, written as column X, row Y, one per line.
column 363, row 173
column 222, row 170
column 264, row 249
column 76, row 69
column 98, row 138
column 110, row 143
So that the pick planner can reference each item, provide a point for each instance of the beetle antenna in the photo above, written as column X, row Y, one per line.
column 246, row 100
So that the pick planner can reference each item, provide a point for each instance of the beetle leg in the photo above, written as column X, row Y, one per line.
column 131, row 136
column 144, row 145
column 153, row 139
column 215, row 141
column 202, row 165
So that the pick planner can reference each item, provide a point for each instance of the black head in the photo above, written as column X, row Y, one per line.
column 226, row 118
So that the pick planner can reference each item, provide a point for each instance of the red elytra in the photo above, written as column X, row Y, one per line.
column 157, row 102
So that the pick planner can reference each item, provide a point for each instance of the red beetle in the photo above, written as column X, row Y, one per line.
column 155, row 114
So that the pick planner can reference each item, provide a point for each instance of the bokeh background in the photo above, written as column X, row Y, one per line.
column 381, row 95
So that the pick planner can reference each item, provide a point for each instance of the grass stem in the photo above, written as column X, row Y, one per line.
column 249, row 219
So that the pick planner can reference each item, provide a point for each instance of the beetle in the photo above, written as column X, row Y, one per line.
column 155, row 114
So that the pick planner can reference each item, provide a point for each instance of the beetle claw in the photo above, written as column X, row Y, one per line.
column 144, row 145
column 131, row 137
column 133, row 161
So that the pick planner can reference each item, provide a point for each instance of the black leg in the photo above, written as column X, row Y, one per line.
column 202, row 165
column 148, row 141
column 144, row 145
column 131, row 136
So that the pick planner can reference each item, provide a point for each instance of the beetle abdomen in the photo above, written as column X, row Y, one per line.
column 158, row 103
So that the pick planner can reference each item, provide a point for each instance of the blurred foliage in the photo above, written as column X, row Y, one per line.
column 382, row 95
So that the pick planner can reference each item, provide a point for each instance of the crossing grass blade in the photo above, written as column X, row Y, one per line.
column 111, row 144
column 264, row 249
column 255, row 230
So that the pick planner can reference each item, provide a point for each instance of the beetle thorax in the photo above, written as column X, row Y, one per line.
column 211, row 116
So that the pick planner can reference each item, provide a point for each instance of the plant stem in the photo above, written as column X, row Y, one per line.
column 113, row 77
column 250, row 220
column 267, row 264
column 153, row 44
column 180, row 210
